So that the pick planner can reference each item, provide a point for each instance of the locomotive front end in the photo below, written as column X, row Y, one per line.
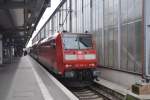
column 79, row 56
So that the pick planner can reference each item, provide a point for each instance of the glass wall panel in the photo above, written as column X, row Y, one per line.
column 68, row 16
column 138, row 46
column 86, row 15
column 138, row 35
column 93, row 15
column 131, row 10
column 106, row 62
column 124, row 11
column 74, row 16
column 46, row 30
column 96, row 15
column 79, row 16
column 116, row 47
column 111, row 46
column 57, row 21
column 110, row 33
column 101, row 30
column 124, row 48
column 124, row 35
column 115, row 11
column 42, row 33
column 138, row 9
column 129, row 17
column 131, row 47
column 64, row 13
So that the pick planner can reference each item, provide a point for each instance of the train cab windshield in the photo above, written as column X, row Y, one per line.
column 77, row 41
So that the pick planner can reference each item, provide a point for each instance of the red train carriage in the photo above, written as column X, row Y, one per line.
column 71, row 55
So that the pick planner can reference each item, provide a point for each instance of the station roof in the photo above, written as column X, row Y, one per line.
column 18, row 18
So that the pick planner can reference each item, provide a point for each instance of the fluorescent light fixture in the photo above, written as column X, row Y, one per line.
column 33, row 25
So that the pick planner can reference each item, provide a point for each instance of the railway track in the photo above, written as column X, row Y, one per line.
column 86, row 94
column 96, row 92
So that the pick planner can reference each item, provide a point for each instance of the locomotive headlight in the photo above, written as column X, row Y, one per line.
column 92, row 65
column 90, row 56
column 70, row 57
column 68, row 65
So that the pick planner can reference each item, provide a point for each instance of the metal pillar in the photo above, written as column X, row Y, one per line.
column 91, row 16
column 70, row 18
column 119, row 33
column 147, row 39
column 1, row 50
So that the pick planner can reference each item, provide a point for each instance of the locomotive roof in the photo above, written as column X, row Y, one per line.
column 56, row 34
column 35, row 43
column 49, row 38
column 77, row 33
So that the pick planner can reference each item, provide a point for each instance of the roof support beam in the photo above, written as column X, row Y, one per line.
column 13, row 30
column 14, row 5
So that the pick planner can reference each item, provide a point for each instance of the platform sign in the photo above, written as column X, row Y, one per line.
column 147, row 37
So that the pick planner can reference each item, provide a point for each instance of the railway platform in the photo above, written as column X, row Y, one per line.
column 119, row 91
column 25, row 79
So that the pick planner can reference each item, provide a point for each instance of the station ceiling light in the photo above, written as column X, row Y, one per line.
column 33, row 25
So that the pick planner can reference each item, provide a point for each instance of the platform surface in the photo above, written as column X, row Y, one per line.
column 121, row 89
column 25, row 79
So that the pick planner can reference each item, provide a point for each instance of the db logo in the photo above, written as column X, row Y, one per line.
column 80, row 56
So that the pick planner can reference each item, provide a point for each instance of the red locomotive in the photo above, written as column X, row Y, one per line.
column 71, row 55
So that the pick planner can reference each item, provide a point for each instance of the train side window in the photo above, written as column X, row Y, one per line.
column 52, row 43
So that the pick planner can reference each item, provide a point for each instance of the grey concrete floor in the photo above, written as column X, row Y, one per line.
column 18, row 81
